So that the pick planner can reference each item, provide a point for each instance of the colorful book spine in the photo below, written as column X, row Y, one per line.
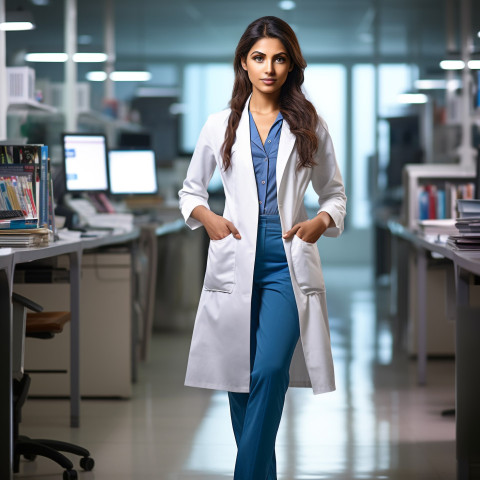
column 423, row 201
column 20, row 183
column 436, row 202
column 44, row 199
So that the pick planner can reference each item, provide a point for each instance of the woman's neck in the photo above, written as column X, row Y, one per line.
column 264, row 104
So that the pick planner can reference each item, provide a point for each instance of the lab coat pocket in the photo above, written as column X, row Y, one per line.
column 220, row 273
column 307, row 267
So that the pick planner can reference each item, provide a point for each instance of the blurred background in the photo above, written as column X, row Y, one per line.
column 361, row 54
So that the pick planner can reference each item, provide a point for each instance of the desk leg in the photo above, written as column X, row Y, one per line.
column 467, row 388
column 75, row 263
column 422, row 316
column 6, row 413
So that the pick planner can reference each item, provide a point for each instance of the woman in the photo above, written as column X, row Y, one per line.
column 263, row 287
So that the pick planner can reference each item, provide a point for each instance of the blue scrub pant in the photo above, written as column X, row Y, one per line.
column 274, row 334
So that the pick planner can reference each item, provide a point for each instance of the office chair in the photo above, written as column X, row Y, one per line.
column 42, row 325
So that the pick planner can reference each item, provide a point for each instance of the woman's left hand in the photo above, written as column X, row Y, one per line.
column 310, row 230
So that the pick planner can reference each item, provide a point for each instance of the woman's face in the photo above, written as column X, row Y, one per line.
column 267, row 64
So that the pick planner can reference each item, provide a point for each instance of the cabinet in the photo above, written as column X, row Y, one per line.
column 105, row 330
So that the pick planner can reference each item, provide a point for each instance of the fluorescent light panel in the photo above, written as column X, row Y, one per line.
column 46, row 57
column 100, row 76
column 16, row 26
column 96, row 76
column 452, row 64
column 425, row 84
column 412, row 98
column 130, row 76
column 90, row 57
column 63, row 57
column 474, row 64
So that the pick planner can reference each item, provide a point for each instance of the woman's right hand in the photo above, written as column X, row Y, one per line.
column 216, row 226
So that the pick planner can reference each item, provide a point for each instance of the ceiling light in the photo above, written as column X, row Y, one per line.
column 63, row 57
column 16, row 26
column 287, row 4
column 17, row 20
column 130, row 76
column 90, row 57
column 412, row 98
column 430, row 84
column 452, row 64
column 46, row 57
column 41, row 3
column 438, row 84
column 96, row 76
column 474, row 64
column 100, row 76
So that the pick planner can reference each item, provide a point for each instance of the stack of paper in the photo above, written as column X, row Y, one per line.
column 34, row 237
column 468, row 237
column 438, row 227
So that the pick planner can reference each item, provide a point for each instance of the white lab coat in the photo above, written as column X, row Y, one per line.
column 220, row 350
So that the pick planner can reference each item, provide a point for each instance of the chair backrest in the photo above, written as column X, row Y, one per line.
column 39, row 324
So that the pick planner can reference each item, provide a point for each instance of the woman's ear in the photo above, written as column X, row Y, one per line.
column 244, row 63
column 291, row 67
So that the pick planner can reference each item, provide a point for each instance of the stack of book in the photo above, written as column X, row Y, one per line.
column 468, row 237
column 26, row 196
column 445, row 226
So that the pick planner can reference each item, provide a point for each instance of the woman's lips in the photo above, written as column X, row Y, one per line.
column 268, row 81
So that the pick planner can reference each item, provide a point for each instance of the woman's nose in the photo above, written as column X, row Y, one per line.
column 269, row 67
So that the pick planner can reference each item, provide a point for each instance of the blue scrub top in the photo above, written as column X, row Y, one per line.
column 265, row 165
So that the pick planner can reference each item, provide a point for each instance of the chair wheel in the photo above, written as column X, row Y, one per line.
column 70, row 475
column 87, row 463
column 30, row 457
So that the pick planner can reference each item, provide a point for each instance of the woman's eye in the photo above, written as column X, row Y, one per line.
column 281, row 60
column 258, row 59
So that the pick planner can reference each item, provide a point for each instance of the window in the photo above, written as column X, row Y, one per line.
column 325, row 87
column 207, row 89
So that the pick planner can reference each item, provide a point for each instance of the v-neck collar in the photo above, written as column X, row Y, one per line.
column 257, row 139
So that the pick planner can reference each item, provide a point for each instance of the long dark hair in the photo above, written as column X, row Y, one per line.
column 299, row 113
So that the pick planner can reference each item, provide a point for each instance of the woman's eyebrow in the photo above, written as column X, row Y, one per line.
column 258, row 52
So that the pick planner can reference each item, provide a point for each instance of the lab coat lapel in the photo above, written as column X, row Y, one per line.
column 242, row 152
column 285, row 147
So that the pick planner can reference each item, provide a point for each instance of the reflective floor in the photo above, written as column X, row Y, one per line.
column 378, row 424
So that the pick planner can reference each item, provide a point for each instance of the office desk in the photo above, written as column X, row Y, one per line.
column 8, row 259
column 467, row 343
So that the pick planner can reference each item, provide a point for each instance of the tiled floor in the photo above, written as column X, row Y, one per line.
column 378, row 424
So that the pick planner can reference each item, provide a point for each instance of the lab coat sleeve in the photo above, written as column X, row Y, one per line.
column 200, row 171
column 328, row 184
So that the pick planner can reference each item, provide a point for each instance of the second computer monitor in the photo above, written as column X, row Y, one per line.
column 132, row 172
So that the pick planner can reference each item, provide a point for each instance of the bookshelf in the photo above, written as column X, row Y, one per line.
column 440, row 175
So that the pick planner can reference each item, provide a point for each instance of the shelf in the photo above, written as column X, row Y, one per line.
column 31, row 105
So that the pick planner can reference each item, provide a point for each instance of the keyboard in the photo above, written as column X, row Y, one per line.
column 11, row 214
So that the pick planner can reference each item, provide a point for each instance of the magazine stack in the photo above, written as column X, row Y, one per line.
column 26, row 196
column 468, row 225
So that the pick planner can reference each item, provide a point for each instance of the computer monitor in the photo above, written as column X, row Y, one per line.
column 132, row 172
column 85, row 162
